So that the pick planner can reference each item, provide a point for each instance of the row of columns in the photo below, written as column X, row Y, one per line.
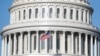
column 11, row 49
column 83, row 15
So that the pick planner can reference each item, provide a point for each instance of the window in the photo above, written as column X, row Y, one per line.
column 58, row 12
column 19, row 15
column 64, row 13
column 36, row 13
column 50, row 13
column 77, row 12
column 71, row 14
column 43, row 12
column 82, row 15
column 30, row 12
column 24, row 14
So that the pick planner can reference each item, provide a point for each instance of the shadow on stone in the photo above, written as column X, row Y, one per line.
column 57, row 55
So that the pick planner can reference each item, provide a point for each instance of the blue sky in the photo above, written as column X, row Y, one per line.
column 5, row 5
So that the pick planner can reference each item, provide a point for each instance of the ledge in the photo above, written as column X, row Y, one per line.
column 50, row 24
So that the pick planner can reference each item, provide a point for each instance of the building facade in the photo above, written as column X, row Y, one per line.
column 69, row 23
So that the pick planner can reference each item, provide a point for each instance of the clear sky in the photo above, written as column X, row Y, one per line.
column 5, row 16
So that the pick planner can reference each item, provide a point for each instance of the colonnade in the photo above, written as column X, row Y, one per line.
column 64, row 42
column 66, row 13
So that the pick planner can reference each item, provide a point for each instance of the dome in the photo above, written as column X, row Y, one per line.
column 50, row 28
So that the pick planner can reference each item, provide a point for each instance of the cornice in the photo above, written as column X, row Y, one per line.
column 47, row 3
column 50, row 25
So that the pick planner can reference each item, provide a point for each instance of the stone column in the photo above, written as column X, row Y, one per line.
column 46, row 45
column 17, row 15
column 39, row 12
column 46, row 15
column 54, row 12
column 80, row 44
column 76, row 44
column 14, row 44
column 3, row 44
column 91, row 45
column 11, row 17
column 25, row 43
column 84, row 16
column 68, row 13
column 9, row 45
column 63, row 42
column 33, row 13
column 74, row 14
column 61, row 13
column 27, row 14
column 86, row 44
column 38, row 42
column 69, row 42
column 96, row 48
column 88, row 17
column 54, row 42
column 80, row 14
column 5, row 47
column 72, row 42
column 28, row 42
column 22, row 15
column 32, row 43
column 20, row 44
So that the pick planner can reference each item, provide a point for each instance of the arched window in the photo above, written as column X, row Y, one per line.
column 30, row 13
column 58, row 12
column 24, row 14
column 82, row 15
column 43, row 12
column 50, row 13
column 86, row 16
column 77, row 13
column 36, row 12
column 71, row 14
column 19, row 15
column 65, row 12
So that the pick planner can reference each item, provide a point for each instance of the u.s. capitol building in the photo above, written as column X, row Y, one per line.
column 69, row 23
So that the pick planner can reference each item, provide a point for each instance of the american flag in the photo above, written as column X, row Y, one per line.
column 45, row 36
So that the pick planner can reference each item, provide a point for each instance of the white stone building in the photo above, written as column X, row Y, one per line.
column 68, row 21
